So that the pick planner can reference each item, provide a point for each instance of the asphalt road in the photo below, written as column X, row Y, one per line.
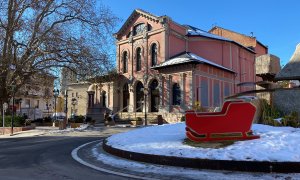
column 45, row 158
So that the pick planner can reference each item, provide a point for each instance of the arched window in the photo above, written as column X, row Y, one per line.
column 176, row 94
column 138, row 59
column 138, row 29
column 153, row 55
column 149, row 27
column 125, row 62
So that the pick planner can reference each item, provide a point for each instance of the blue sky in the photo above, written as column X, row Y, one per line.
column 275, row 23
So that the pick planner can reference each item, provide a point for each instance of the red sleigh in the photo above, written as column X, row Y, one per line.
column 232, row 123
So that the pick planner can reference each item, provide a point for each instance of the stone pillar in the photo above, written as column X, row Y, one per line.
column 108, row 95
column 183, row 89
column 131, row 99
column 169, row 93
column 161, row 92
column 191, row 82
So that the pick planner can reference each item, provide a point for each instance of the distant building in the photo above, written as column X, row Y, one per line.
column 78, row 98
column 67, row 77
column 35, row 99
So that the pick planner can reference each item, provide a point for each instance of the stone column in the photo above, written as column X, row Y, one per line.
column 118, row 57
column 131, row 99
column 191, row 82
column 108, row 95
column 183, row 89
column 161, row 92
column 169, row 92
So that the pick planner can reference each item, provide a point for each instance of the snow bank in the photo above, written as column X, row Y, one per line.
column 276, row 144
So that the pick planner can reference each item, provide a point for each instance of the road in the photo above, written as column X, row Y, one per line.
column 46, row 158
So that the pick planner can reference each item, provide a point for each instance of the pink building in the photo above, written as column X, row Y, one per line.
column 171, row 67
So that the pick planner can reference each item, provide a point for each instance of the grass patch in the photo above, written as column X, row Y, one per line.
column 214, row 144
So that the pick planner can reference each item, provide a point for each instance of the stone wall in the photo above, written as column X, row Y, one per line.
column 267, row 64
column 287, row 101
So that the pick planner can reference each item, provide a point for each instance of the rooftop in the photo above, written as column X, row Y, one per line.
column 188, row 57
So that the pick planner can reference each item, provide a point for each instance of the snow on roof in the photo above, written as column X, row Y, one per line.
column 193, row 31
column 188, row 57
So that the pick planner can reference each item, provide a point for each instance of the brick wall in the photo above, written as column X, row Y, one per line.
column 240, row 38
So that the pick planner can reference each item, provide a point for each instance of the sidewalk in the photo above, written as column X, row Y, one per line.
column 34, row 132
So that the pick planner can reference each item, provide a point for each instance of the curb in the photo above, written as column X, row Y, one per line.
column 75, row 156
column 248, row 166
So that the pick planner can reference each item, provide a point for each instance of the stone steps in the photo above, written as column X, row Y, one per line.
column 129, row 116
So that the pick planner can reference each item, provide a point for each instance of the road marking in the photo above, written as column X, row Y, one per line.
column 81, row 161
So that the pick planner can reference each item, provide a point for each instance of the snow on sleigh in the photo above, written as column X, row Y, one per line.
column 233, row 122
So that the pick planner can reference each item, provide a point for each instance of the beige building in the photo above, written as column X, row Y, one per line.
column 36, row 98
column 77, row 98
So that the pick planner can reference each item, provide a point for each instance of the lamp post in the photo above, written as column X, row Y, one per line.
column 13, row 111
column 66, row 100
column 5, row 105
column 145, row 78
column 55, row 94
column 145, row 94
column 66, row 107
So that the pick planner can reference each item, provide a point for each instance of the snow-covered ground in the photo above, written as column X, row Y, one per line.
column 183, row 173
column 276, row 144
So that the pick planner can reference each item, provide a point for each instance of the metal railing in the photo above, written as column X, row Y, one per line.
column 137, row 110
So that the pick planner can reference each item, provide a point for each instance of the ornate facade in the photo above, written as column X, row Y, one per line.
column 167, row 68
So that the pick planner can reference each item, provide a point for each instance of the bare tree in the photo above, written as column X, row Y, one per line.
column 39, row 36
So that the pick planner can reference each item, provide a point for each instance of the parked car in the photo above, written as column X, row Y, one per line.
column 59, row 116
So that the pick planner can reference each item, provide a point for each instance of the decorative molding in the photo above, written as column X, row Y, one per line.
column 138, row 43
column 145, row 32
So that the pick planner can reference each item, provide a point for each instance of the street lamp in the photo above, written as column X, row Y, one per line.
column 5, row 105
column 55, row 94
column 145, row 99
column 66, row 100
column 13, row 109
column 145, row 78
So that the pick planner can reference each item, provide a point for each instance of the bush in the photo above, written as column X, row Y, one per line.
column 88, row 119
column 39, row 120
column 48, row 119
column 291, row 119
column 19, row 121
column 182, row 119
column 139, row 119
column 77, row 119
column 269, row 113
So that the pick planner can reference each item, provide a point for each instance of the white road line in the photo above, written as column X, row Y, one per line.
column 77, row 158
